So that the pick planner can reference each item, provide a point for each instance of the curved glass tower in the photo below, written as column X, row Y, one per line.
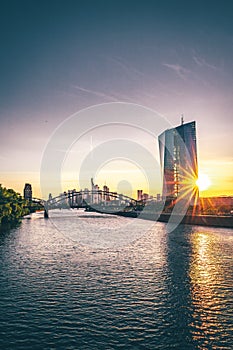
column 178, row 158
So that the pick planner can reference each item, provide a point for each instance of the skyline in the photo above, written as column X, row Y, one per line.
column 60, row 58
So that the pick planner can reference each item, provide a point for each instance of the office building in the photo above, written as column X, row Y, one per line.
column 139, row 195
column 178, row 158
column 27, row 192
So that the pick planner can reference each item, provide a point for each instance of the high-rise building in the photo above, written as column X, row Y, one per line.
column 139, row 197
column 106, row 196
column 178, row 158
column 27, row 192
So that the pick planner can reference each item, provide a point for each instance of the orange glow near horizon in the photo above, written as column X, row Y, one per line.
column 218, row 172
column 220, row 175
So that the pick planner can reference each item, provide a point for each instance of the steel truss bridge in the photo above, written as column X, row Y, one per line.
column 96, row 200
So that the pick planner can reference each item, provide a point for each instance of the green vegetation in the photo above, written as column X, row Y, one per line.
column 12, row 206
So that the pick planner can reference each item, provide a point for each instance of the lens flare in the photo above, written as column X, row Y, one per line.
column 203, row 182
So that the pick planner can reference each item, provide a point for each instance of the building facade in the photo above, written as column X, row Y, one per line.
column 178, row 159
column 27, row 192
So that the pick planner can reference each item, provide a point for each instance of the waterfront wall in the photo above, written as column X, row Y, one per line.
column 203, row 220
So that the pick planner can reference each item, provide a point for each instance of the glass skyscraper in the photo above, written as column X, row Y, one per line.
column 178, row 158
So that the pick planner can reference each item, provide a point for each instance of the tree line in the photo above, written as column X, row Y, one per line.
column 12, row 206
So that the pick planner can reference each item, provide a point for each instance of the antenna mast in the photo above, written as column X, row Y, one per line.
column 182, row 119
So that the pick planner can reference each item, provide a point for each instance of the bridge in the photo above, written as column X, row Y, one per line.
column 95, row 200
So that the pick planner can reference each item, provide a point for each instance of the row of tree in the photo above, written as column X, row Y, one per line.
column 12, row 206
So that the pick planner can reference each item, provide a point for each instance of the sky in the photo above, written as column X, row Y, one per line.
column 60, row 57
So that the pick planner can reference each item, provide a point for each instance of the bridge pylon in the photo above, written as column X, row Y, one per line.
column 46, row 211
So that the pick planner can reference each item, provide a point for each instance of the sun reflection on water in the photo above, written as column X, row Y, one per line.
column 209, row 291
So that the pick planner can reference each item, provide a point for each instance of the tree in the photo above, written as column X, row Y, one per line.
column 12, row 206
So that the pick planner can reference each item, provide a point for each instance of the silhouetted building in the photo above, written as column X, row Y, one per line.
column 178, row 158
column 106, row 196
column 145, row 197
column 139, row 197
column 95, row 193
column 85, row 195
column 27, row 192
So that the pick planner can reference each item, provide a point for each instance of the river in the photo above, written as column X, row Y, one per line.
column 88, row 281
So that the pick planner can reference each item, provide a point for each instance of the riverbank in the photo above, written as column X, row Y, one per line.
column 201, row 220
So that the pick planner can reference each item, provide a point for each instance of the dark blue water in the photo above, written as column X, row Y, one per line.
column 161, row 291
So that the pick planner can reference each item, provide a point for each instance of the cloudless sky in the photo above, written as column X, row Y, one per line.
column 58, row 57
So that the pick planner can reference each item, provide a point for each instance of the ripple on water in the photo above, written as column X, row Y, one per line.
column 159, row 291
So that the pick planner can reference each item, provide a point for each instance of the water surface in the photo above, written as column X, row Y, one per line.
column 156, row 291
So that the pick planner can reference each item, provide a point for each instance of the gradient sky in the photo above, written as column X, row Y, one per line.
column 58, row 57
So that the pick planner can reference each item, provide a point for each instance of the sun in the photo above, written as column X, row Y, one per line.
column 203, row 182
